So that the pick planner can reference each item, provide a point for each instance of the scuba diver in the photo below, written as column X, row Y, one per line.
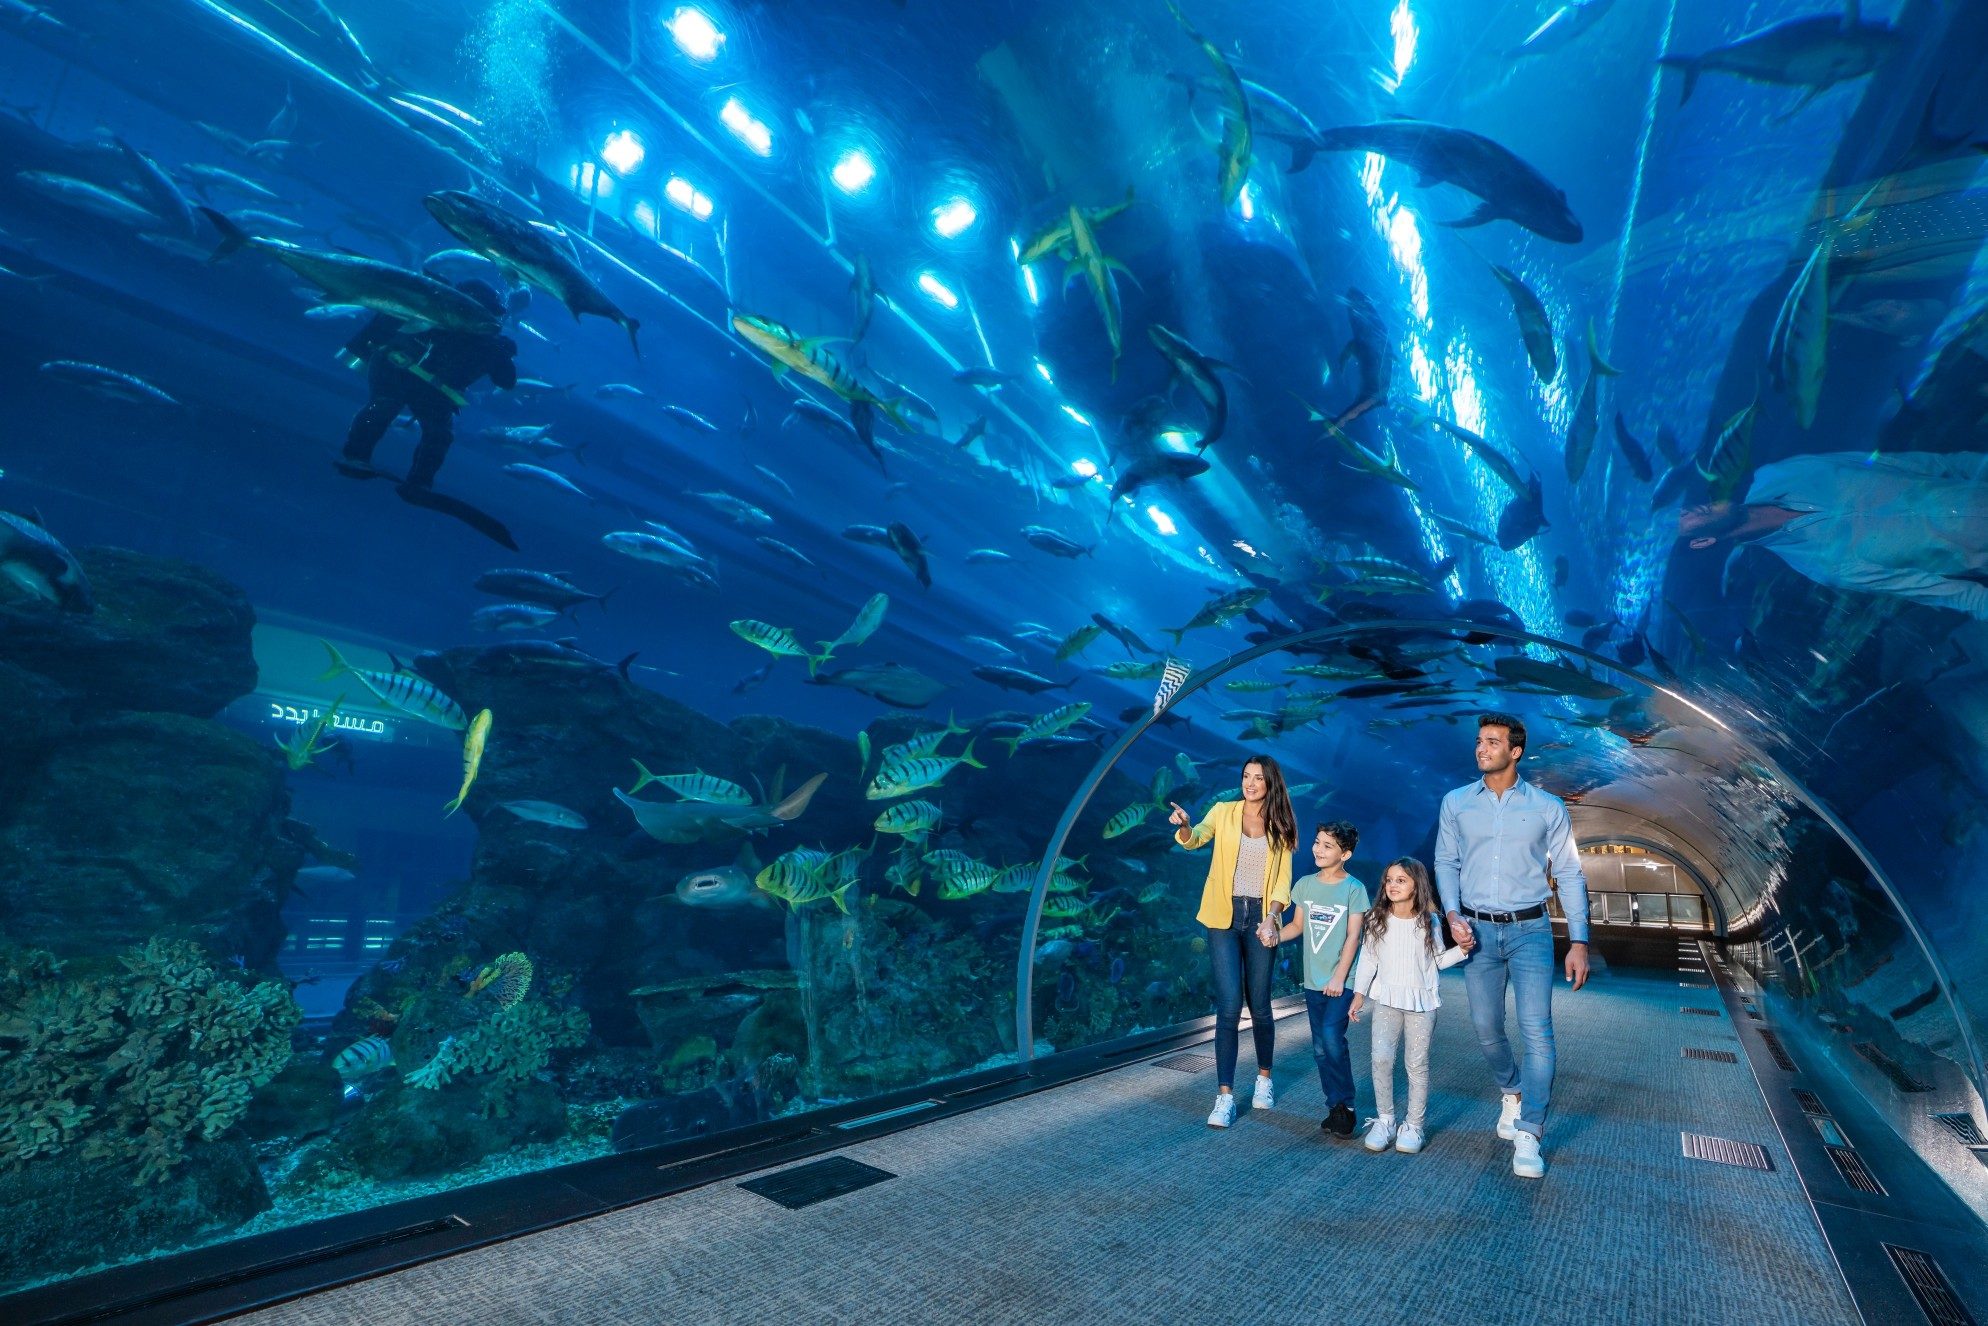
column 426, row 374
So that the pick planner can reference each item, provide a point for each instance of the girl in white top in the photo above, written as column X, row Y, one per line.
column 1400, row 954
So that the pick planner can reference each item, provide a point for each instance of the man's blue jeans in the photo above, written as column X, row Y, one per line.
column 1521, row 952
column 1335, row 1063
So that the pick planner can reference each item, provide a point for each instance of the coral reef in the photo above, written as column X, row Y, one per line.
column 132, row 1067
column 118, row 1085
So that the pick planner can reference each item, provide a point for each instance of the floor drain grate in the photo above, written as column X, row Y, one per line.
column 1894, row 1071
column 1716, row 1056
column 1725, row 1151
column 1854, row 1171
column 804, row 1185
column 1775, row 1048
column 1810, row 1102
column 1701, row 1012
column 1929, row 1286
column 1187, row 1063
column 1963, row 1127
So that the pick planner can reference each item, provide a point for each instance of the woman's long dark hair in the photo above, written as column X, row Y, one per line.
column 1279, row 823
column 1425, row 903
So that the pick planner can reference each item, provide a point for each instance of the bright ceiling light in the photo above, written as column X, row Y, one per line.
column 854, row 171
column 938, row 290
column 1246, row 203
column 588, row 178
column 745, row 128
column 1161, row 520
column 622, row 151
column 1088, row 468
column 685, row 197
column 954, row 217
column 1071, row 410
column 1043, row 369
column 695, row 34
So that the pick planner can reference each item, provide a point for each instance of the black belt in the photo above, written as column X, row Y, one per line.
column 1503, row 918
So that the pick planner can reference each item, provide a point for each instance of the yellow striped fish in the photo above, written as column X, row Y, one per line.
column 415, row 696
column 472, row 759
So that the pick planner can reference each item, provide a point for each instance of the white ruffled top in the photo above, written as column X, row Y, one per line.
column 1399, row 971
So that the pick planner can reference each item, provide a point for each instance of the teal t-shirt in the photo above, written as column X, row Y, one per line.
column 1328, row 910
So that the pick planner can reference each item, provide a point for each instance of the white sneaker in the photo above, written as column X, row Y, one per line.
column 1265, row 1097
column 1224, row 1112
column 1508, row 1116
column 1409, row 1139
column 1380, row 1132
column 1526, row 1160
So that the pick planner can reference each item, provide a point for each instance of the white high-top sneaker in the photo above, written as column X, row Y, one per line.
column 1380, row 1133
column 1508, row 1116
column 1527, row 1163
column 1265, row 1097
column 1224, row 1112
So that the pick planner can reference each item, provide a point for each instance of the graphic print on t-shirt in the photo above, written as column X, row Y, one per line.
column 1320, row 922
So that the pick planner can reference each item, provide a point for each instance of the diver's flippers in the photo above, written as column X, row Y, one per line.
column 361, row 469
column 481, row 521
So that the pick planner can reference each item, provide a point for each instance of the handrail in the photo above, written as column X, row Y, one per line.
column 1025, row 958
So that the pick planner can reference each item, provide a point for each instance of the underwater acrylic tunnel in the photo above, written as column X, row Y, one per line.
column 607, row 609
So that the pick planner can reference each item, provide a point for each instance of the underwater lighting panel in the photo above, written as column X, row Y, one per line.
column 684, row 196
column 622, row 151
column 1161, row 521
column 954, row 218
column 1246, row 202
column 1072, row 411
column 695, row 34
column 938, row 290
column 1086, row 467
column 588, row 178
column 1043, row 369
column 854, row 171
column 1028, row 273
column 754, row 134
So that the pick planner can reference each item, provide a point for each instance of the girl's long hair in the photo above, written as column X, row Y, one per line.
column 1278, row 820
column 1425, row 903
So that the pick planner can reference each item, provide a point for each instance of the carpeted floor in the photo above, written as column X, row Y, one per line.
column 1110, row 1201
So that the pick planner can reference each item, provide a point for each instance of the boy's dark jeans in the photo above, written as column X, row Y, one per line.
column 1335, row 1063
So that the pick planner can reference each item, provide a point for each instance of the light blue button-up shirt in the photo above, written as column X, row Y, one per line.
column 1492, row 853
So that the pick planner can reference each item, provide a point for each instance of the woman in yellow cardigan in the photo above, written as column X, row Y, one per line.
column 1251, row 869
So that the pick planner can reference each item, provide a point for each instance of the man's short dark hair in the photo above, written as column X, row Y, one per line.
column 1341, row 832
column 1512, row 725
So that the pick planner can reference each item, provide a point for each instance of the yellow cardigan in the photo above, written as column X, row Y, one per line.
column 1223, row 823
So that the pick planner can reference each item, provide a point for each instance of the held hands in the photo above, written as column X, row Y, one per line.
column 1353, row 1013
column 1577, row 964
column 1461, row 932
column 1266, row 933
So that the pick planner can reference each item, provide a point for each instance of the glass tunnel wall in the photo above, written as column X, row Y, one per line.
column 690, row 750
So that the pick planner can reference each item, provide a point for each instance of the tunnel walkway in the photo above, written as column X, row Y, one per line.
column 1109, row 1200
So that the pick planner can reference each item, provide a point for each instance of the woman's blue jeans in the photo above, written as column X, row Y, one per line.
column 1241, row 963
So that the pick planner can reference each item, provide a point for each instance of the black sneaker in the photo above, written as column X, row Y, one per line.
column 1339, row 1122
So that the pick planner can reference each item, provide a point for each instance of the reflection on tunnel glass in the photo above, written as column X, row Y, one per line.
column 562, row 562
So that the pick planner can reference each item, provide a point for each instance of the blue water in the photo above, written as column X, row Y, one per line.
column 1792, row 743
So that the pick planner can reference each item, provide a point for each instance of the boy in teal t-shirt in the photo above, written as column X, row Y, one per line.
column 1330, row 905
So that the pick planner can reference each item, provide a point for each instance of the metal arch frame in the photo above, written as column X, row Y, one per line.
column 1669, row 855
column 1025, row 957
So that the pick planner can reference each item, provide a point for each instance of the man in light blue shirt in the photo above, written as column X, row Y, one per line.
column 1496, row 841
